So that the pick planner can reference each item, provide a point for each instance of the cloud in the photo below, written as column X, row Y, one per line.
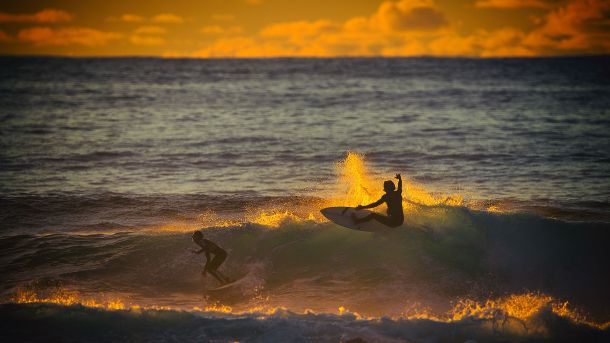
column 483, row 43
column 418, row 27
column 146, row 40
column 300, row 32
column 243, row 47
column 167, row 18
column 41, row 36
column 408, row 15
column 131, row 18
column 5, row 37
column 511, row 4
column 148, row 35
column 47, row 15
column 162, row 18
column 391, row 30
column 579, row 25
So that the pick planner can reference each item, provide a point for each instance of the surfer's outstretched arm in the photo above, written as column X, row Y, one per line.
column 375, row 204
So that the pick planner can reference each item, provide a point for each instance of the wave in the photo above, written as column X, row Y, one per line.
column 116, row 212
column 442, row 254
column 355, row 184
column 39, row 322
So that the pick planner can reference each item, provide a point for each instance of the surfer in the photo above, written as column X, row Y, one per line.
column 393, row 199
column 211, row 264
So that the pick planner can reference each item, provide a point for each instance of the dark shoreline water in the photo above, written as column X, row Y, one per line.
column 35, row 322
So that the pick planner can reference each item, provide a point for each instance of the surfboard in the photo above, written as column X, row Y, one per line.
column 234, row 292
column 343, row 216
column 228, row 285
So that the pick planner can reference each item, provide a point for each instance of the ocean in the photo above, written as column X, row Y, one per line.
column 107, row 166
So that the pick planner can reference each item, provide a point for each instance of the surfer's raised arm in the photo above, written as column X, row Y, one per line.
column 399, row 188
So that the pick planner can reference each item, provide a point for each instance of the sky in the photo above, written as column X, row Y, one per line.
column 313, row 28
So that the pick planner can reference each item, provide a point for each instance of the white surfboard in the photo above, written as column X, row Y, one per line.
column 233, row 283
column 343, row 216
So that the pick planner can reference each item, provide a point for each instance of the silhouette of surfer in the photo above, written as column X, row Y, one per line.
column 393, row 199
column 211, row 264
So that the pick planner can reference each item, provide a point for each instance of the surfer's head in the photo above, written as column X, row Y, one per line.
column 388, row 186
column 197, row 236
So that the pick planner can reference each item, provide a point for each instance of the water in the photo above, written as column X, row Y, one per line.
column 107, row 165
column 507, row 128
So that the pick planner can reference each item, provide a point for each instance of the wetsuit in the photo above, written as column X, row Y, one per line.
column 395, row 216
column 219, row 255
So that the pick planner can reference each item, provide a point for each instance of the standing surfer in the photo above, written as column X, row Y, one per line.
column 211, row 264
column 393, row 199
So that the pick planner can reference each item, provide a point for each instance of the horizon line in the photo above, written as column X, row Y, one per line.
column 300, row 57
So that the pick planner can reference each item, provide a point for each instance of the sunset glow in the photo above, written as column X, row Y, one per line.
column 273, row 28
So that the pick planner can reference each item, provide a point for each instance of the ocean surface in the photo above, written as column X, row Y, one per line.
column 108, row 165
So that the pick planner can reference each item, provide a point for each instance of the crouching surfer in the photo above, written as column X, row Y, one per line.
column 211, row 263
column 393, row 199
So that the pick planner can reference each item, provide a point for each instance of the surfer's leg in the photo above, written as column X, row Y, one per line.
column 213, row 266
column 219, row 276
column 215, row 273
column 363, row 219
column 223, row 277
column 387, row 221
column 217, row 261
column 382, row 219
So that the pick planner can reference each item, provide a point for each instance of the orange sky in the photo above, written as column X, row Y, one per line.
column 269, row 28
